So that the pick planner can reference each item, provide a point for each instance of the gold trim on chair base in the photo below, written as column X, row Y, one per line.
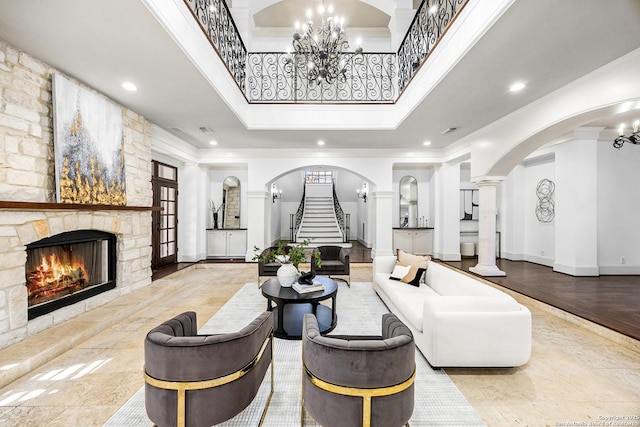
column 182, row 387
column 365, row 393
column 347, row 281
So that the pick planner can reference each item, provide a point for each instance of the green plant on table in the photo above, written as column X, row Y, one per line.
column 284, row 253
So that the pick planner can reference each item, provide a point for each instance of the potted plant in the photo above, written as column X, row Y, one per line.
column 290, row 256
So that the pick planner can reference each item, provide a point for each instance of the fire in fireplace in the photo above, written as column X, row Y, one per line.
column 67, row 268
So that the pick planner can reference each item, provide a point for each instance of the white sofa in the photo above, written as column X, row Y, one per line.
column 457, row 320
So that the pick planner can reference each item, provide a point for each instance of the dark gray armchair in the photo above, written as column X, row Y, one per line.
column 335, row 262
column 269, row 267
column 352, row 381
column 202, row 380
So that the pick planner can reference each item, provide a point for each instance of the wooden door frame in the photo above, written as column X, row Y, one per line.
column 157, row 182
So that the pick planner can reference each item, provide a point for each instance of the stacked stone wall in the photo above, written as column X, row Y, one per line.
column 27, row 174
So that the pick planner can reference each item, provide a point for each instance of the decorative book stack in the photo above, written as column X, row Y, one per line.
column 304, row 289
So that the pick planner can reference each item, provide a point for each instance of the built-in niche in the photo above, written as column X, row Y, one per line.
column 408, row 202
column 231, row 203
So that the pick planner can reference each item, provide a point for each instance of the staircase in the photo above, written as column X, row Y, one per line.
column 319, row 222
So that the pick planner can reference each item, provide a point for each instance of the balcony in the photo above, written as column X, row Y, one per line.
column 369, row 78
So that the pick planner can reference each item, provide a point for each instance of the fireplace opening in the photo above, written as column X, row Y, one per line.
column 67, row 268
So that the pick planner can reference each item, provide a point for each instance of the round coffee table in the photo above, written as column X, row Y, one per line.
column 290, row 307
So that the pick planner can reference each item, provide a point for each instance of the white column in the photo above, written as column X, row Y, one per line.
column 193, row 213
column 399, row 24
column 576, row 213
column 256, row 200
column 487, row 230
column 382, row 216
column 513, row 215
column 243, row 19
column 447, row 220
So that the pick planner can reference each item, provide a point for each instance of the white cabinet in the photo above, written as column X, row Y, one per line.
column 226, row 243
column 414, row 240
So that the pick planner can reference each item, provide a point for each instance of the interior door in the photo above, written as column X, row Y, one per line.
column 165, row 222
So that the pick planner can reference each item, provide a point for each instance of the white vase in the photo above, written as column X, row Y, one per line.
column 287, row 274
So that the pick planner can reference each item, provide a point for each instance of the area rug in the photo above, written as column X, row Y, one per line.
column 438, row 402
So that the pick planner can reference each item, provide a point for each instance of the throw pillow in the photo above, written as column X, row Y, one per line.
column 419, row 261
column 409, row 274
column 399, row 271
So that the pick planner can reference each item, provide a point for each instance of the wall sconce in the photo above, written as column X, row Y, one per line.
column 634, row 138
column 275, row 193
column 362, row 194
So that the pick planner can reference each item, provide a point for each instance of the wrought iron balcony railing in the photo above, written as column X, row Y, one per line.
column 216, row 21
column 430, row 23
column 370, row 77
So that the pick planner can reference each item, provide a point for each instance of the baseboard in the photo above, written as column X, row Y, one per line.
column 621, row 270
column 539, row 260
column 453, row 256
column 363, row 243
column 196, row 258
column 576, row 271
column 513, row 256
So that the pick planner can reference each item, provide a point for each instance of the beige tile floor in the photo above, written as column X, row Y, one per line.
column 574, row 375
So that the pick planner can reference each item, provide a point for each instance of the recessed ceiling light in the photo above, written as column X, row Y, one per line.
column 426, row 143
column 129, row 86
column 517, row 86
column 320, row 142
column 212, row 142
column 433, row 9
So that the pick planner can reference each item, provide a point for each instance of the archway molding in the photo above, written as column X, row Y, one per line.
column 610, row 90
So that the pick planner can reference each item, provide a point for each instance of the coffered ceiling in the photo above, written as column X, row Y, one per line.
column 547, row 43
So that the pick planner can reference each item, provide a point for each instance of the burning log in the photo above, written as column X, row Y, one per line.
column 52, row 279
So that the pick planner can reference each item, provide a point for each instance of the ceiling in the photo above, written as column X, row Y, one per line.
column 547, row 43
column 286, row 12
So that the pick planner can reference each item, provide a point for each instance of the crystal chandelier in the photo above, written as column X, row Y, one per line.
column 634, row 138
column 319, row 55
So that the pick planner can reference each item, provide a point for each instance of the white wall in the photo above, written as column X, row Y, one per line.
column 612, row 199
column 539, row 238
column 511, row 215
column 618, row 208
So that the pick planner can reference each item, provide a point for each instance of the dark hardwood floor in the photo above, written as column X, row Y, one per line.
column 610, row 301
column 359, row 253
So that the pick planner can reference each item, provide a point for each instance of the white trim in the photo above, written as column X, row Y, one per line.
column 576, row 271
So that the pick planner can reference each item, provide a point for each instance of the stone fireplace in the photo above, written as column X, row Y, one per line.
column 127, row 232
column 29, row 215
column 69, row 267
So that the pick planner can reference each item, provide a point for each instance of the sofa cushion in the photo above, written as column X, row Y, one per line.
column 332, row 265
column 407, row 299
column 447, row 281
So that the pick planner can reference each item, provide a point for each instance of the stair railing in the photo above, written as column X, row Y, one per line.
column 340, row 216
column 299, row 215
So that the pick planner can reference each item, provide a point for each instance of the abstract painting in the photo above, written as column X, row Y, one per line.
column 89, row 146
